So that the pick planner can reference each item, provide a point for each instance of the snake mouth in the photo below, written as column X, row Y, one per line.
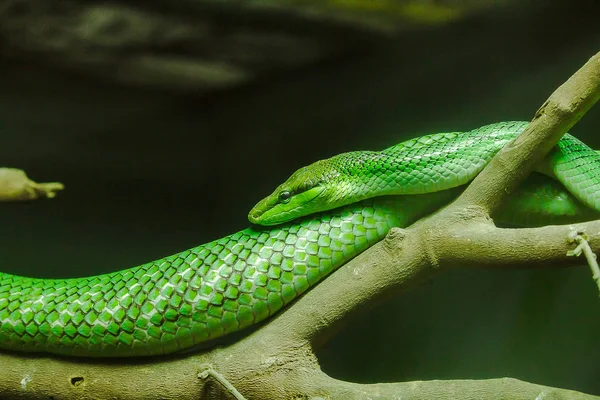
column 254, row 215
column 279, row 218
column 300, row 205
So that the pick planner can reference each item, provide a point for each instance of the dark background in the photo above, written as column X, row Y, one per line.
column 150, row 173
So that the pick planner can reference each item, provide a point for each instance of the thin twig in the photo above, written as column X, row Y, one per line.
column 210, row 371
column 16, row 186
column 583, row 245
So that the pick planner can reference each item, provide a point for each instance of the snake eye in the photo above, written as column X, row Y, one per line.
column 285, row 196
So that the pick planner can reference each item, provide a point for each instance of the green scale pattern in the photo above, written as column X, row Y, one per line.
column 194, row 296
column 443, row 161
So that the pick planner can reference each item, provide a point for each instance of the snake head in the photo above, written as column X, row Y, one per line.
column 304, row 192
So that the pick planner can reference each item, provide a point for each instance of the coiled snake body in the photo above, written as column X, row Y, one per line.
column 200, row 294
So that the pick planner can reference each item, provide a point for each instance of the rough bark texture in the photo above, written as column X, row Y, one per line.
column 277, row 360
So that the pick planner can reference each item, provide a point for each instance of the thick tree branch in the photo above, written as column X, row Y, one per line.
column 277, row 360
column 503, row 388
column 260, row 378
column 519, row 248
column 555, row 117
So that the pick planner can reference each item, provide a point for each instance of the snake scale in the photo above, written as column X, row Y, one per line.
column 321, row 217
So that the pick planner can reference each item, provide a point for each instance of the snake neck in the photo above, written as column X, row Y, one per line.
column 426, row 164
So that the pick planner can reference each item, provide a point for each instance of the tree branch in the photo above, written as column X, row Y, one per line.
column 516, row 160
column 277, row 361
column 16, row 186
column 260, row 378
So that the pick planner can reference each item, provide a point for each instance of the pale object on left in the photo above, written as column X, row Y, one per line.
column 16, row 186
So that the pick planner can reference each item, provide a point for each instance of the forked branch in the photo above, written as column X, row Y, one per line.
column 277, row 361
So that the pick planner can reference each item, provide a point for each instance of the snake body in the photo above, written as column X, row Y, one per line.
column 211, row 290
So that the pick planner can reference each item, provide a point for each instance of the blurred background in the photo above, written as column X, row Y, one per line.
column 167, row 121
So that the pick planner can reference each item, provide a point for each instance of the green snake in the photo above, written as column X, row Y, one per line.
column 321, row 217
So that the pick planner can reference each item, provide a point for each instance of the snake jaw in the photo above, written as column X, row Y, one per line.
column 270, row 211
